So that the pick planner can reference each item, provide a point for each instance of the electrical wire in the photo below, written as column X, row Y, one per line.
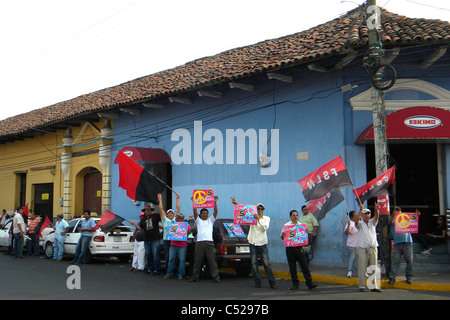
column 211, row 114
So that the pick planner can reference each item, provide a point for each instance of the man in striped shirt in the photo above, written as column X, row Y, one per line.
column 33, row 242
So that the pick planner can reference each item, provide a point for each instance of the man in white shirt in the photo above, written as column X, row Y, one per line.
column 19, row 230
column 257, row 238
column 204, row 247
column 367, row 246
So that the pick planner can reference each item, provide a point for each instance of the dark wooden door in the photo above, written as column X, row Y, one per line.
column 43, row 200
column 93, row 192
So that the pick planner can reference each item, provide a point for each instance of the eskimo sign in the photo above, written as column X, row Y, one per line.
column 422, row 122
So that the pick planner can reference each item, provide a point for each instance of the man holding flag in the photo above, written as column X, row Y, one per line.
column 367, row 246
column 378, row 187
column 33, row 242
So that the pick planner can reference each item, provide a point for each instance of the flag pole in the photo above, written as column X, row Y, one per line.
column 162, row 182
column 356, row 194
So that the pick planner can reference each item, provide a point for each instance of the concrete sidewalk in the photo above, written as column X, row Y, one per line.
column 427, row 281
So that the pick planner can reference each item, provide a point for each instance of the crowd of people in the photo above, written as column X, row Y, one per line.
column 146, row 257
column 360, row 231
column 23, row 231
column 362, row 246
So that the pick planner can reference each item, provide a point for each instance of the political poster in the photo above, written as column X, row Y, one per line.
column 296, row 235
column 177, row 231
column 245, row 214
column 234, row 230
column 406, row 222
column 202, row 198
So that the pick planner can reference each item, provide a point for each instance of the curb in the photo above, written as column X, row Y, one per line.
column 423, row 286
column 419, row 285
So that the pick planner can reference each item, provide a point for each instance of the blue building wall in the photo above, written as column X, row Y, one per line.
column 311, row 115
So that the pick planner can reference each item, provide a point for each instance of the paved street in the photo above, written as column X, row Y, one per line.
column 39, row 278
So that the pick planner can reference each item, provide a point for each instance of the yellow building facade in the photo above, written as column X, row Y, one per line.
column 64, row 171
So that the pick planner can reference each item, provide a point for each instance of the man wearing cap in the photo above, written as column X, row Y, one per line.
column 257, row 238
column 168, row 216
column 61, row 228
column 366, row 248
column 149, row 225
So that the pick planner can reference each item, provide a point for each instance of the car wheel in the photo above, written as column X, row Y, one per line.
column 49, row 250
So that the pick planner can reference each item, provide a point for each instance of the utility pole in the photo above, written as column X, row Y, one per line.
column 375, row 56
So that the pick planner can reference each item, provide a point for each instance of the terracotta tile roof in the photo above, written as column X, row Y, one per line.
column 336, row 37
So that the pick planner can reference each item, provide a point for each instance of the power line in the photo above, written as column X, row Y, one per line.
column 214, row 113
column 427, row 5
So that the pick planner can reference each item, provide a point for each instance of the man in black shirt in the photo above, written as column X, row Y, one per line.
column 149, row 225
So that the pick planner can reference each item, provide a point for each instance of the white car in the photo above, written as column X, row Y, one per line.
column 4, row 234
column 118, row 243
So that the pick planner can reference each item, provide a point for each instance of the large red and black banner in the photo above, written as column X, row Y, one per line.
column 109, row 221
column 329, row 177
column 140, row 184
column 321, row 206
column 376, row 187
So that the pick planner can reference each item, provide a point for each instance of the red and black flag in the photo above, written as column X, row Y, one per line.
column 376, row 187
column 44, row 223
column 329, row 177
column 139, row 183
column 25, row 210
column 109, row 221
column 321, row 206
